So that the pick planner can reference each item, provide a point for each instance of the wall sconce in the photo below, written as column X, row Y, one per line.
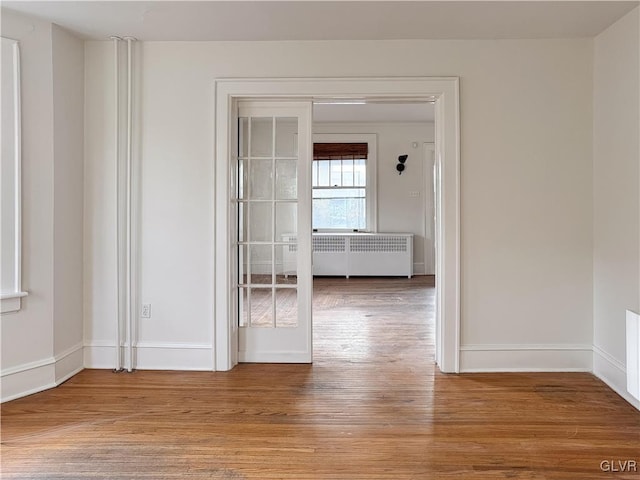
column 400, row 166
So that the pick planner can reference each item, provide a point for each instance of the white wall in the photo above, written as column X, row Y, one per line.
column 175, row 226
column 68, row 129
column 30, row 359
column 398, row 211
column 616, row 267
column 526, row 207
column 99, row 273
column 27, row 336
column 526, row 216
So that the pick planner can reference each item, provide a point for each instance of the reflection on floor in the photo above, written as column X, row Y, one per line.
column 372, row 406
column 373, row 319
column 263, row 306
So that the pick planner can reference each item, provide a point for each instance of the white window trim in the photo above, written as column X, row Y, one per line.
column 10, row 301
column 372, row 178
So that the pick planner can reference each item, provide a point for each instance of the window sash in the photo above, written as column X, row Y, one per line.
column 339, row 173
column 339, row 192
column 340, row 213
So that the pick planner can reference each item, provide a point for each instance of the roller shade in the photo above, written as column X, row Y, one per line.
column 340, row 151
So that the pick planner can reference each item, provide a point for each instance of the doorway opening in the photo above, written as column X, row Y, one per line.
column 442, row 91
column 373, row 226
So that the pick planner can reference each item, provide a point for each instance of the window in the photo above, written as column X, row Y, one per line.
column 339, row 179
column 343, row 180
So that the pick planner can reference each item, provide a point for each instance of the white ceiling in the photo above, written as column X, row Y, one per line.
column 328, row 20
column 267, row 20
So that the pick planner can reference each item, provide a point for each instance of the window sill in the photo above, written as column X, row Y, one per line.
column 10, row 302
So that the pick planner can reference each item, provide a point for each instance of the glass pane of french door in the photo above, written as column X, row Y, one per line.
column 273, row 214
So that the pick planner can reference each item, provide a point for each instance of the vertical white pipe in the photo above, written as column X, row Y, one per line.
column 130, row 313
column 116, row 57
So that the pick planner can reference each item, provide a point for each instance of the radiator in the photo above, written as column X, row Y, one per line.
column 358, row 254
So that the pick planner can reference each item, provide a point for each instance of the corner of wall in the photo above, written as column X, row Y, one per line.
column 613, row 373
column 616, row 196
column 68, row 200
column 42, row 344
column 34, row 377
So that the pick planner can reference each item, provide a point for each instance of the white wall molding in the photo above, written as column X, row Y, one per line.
column 616, row 364
column 28, row 383
column 526, row 358
column 69, row 351
column 444, row 91
column 99, row 355
column 153, row 356
column 33, row 377
column 68, row 363
column 428, row 154
column 10, row 301
column 27, row 366
column 613, row 373
column 174, row 356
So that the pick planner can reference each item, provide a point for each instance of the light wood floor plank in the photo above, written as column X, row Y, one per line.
column 372, row 406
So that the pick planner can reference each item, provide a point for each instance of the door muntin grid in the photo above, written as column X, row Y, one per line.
column 266, row 196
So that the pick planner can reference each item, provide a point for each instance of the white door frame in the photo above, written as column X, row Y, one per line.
column 443, row 90
column 428, row 156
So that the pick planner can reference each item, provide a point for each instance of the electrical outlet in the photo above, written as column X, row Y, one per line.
column 146, row 310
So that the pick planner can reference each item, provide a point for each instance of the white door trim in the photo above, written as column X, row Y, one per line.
column 428, row 155
column 443, row 90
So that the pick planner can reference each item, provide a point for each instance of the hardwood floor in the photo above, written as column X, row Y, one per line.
column 372, row 406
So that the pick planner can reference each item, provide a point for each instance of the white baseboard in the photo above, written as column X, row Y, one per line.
column 99, row 355
column 418, row 268
column 68, row 363
column 525, row 358
column 613, row 373
column 34, row 377
column 27, row 381
column 154, row 356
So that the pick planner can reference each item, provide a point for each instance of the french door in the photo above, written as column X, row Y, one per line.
column 272, row 211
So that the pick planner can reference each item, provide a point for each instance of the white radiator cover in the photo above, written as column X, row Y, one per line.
column 358, row 254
